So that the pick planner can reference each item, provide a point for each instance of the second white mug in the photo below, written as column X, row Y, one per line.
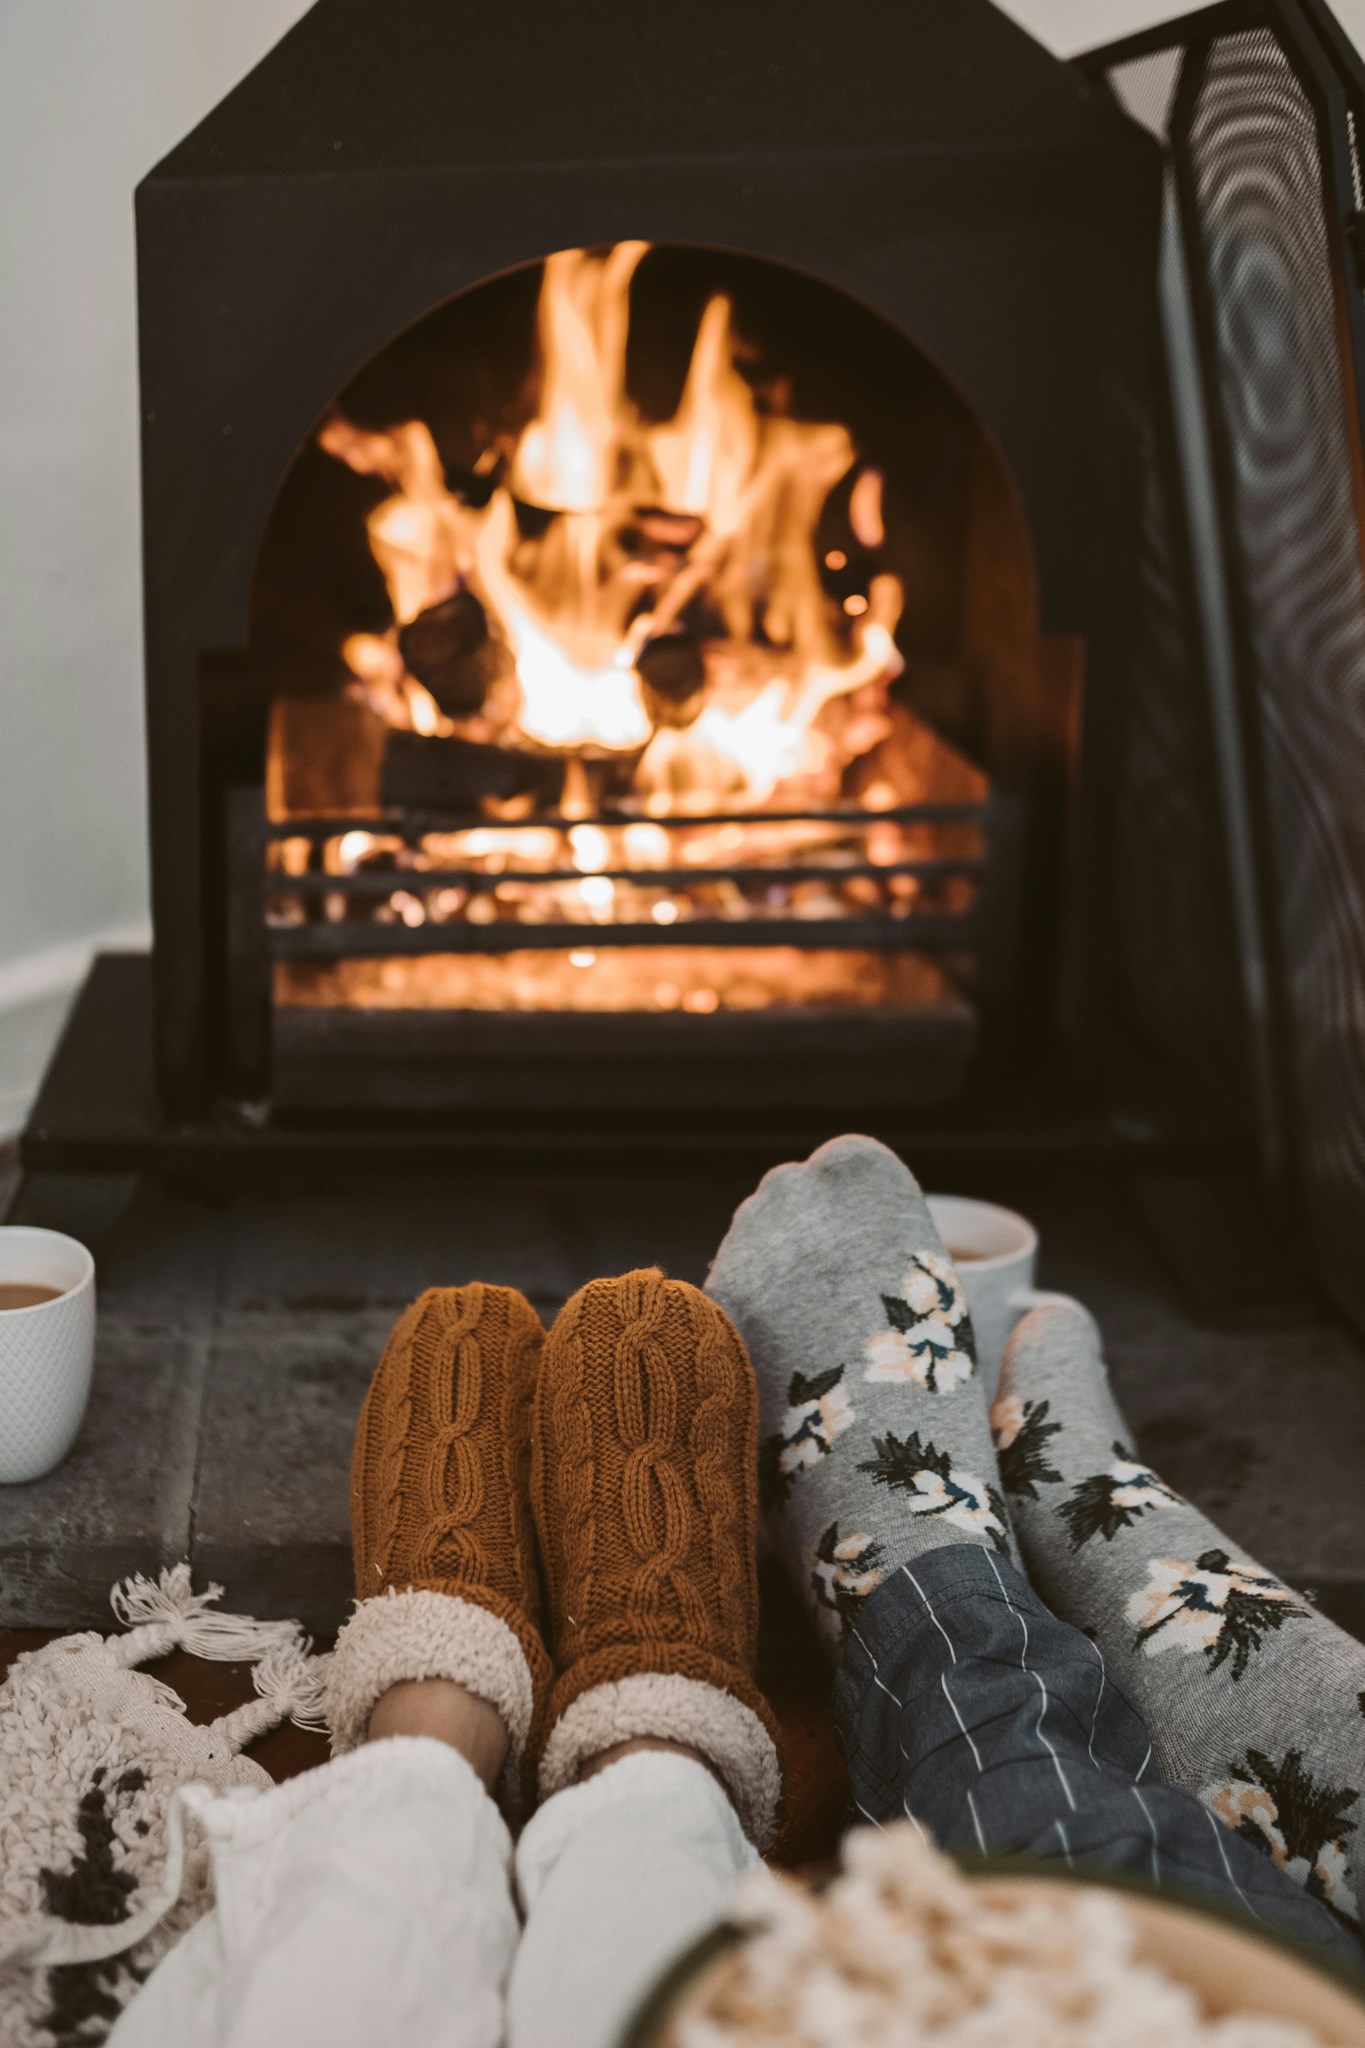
column 995, row 1251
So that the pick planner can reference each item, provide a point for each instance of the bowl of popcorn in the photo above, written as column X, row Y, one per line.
column 902, row 1948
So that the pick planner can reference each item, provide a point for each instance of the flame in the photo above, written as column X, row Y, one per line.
column 565, row 459
column 420, row 537
column 740, row 491
column 705, row 455
column 573, row 693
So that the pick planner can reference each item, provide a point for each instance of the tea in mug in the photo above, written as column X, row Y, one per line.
column 26, row 1294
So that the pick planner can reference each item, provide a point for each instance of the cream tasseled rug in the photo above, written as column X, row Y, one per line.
column 100, row 1872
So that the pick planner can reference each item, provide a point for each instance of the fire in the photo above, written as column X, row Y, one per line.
column 662, row 649
column 733, row 594
column 574, row 691
column 705, row 457
column 419, row 536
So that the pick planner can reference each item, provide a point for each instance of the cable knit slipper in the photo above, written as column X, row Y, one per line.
column 643, row 1484
column 446, row 1583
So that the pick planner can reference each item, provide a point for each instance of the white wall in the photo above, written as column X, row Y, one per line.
column 92, row 92
column 1069, row 26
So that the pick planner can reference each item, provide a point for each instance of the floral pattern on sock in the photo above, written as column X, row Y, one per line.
column 932, row 1485
column 1294, row 1819
column 1021, row 1430
column 1218, row 1606
column 928, row 1339
column 843, row 1571
column 818, row 1412
column 1113, row 1499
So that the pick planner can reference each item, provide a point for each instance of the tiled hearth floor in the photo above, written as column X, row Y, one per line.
column 236, row 1338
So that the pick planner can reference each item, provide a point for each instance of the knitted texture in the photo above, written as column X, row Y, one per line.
column 644, row 1485
column 439, row 1506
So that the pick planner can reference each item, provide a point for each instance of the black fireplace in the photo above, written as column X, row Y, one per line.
column 632, row 515
column 725, row 572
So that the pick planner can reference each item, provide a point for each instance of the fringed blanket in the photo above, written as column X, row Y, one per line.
column 100, row 1873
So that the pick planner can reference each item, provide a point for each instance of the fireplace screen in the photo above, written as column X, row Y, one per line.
column 613, row 628
column 1259, row 110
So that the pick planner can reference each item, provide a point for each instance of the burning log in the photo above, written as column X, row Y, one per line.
column 663, row 539
column 422, row 774
column 334, row 757
column 673, row 671
column 451, row 652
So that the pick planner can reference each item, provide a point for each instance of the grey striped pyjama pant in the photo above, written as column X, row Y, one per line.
column 962, row 1703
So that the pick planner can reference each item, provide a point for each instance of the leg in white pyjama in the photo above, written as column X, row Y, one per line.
column 616, row 1877
column 373, row 1900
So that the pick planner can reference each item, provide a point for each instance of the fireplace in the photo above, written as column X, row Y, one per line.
column 712, row 576
column 637, row 579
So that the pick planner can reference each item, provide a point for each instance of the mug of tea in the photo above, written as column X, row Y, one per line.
column 995, row 1252
column 47, row 1348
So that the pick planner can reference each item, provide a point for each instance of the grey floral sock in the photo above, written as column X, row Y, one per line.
column 1252, row 1700
column 875, row 1445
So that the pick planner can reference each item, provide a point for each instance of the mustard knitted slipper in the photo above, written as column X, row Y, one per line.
column 445, row 1570
column 643, row 1485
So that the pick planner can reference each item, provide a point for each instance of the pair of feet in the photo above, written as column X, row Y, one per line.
column 561, row 1526
column 565, row 1524
column 878, row 1445
column 618, row 1459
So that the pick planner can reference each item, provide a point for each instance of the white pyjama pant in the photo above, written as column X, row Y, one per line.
column 375, row 1901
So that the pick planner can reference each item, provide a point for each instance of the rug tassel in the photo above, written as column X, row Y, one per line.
column 165, row 1614
column 291, row 1685
column 296, row 1684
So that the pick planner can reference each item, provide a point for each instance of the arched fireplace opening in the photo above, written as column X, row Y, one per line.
column 648, row 648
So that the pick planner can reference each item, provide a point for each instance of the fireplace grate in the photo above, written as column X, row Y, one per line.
column 312, row 915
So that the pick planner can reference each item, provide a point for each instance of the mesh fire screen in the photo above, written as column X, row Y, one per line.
column 1257, row 107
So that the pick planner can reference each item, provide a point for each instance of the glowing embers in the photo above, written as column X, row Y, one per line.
column 687, row 981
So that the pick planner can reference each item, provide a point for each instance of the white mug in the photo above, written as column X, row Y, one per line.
column 995, row 1252
column 47, row 1351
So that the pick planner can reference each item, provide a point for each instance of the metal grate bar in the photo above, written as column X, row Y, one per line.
column 411, row 824
column 384, row 881
column 921, row 931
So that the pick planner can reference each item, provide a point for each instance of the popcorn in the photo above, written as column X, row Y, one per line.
column 902, row 1950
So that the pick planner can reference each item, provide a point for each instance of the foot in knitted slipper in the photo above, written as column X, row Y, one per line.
column 446, row 1582
column 644, row 1443
column 876, row 1445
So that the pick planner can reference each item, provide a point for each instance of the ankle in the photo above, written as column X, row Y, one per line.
column 635, row 1746
column 446, row 1712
